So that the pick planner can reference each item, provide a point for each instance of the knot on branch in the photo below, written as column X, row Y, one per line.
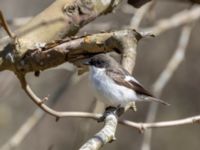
column 79, row 11
column 197, row 121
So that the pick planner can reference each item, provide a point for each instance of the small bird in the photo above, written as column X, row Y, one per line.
column 114, row 85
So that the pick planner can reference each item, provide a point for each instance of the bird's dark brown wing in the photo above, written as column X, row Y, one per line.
column 118, row 75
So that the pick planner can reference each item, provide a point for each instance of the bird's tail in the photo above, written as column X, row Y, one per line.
column 153, row 99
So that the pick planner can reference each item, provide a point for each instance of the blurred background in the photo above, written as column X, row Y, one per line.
column 67, row 93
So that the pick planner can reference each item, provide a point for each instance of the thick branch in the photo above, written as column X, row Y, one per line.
column 63, row 18
column 74, row 50
column 105, row 135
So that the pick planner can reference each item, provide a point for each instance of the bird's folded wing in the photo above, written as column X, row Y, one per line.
column 119, row 76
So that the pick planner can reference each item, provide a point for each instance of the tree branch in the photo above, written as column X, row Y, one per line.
column 73, row 50
column 34, row 50
column 47, row 109
column 164, row 78
column 144, row 126
column 67, row 18
column 179, row 19
column 105, row 135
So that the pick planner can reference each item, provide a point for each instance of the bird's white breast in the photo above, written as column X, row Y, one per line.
column 108, row 91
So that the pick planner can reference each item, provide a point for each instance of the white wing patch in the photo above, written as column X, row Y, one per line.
column 130, row 78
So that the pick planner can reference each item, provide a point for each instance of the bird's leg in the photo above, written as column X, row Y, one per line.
column 132, row 106
column 108, row 110
column 117, row 111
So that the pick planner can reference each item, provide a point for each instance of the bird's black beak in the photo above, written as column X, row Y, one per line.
column 86, row 62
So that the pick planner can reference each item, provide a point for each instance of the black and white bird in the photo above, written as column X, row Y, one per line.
column 114, row 85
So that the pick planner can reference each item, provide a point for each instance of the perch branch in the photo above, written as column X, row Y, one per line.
column 144, row 126
column 105, row 135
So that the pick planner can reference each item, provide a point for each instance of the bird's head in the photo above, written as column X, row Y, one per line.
column 100, row 61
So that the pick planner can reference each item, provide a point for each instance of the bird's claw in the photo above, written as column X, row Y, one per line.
column 117, row 111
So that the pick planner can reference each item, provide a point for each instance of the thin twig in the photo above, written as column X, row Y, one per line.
column 4, row 24
column 164, row 78
column 144, row 126
column 37, row 115
column 181, row 18
column 139, row 15
column 57, row 114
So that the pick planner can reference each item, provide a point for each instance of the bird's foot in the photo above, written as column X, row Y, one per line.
column 117, row 111
column 132, row 106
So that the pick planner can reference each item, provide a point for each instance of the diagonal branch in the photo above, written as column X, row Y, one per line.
column 105, row 135
column 164, row 78
column 74, row 50
column 139, row 15
column 179, row 19
column 67, row 18
column 43, row 106
column 4, row 24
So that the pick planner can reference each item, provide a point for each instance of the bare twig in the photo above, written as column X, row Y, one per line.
column 139, row 15
column 181, row 18
column 107, row 133
column 33, row 120
column 4, row 24
column 144, row 126
column 164, row 78
column 47, row 109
